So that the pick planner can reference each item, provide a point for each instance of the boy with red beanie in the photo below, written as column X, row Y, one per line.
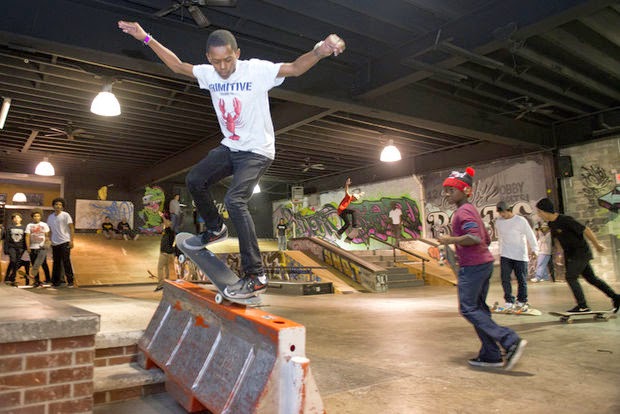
column 476, row 267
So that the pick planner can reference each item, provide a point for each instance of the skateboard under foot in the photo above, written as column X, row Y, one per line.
column 567, row 317
column 215, row 270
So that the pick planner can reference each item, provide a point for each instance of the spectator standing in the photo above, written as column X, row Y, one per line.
column 62, row 234
column 37, row 244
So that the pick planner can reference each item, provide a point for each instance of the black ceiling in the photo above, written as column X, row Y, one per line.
column 445, row 79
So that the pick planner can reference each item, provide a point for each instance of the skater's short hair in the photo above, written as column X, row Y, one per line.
column 15, row 215
column 221, row 37
column 36, row 211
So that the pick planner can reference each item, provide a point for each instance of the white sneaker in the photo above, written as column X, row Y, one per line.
column 535, row 280
column 509, row 306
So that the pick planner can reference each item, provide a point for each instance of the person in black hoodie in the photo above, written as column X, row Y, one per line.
column 14, row 246
column 572, row 235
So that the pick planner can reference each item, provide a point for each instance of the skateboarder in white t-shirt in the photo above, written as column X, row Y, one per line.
column 238, row 89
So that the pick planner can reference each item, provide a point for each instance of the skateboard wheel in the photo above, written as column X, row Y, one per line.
column 219, row 298
column 181, row 258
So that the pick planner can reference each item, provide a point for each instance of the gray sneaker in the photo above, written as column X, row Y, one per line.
column 200, row 241
column 247, row 287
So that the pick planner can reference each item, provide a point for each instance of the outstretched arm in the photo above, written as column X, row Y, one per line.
column 166, row 55
column 331, row 45
column 346, row 186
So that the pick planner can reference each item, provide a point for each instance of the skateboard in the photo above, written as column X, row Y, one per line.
column 597, row 315
column 351, row 233
column 530, row 311
column 443, row 253
column 215, row 270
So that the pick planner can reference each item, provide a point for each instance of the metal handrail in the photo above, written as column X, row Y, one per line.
column 394, row 247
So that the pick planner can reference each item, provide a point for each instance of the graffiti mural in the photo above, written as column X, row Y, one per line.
column 519, row 184
column 153, row 202
column 596, row 182
column 373, row 214
column 89, row 214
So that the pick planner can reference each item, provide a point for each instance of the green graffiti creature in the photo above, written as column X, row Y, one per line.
column 153, row 201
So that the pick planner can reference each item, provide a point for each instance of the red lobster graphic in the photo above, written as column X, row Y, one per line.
column 230, row 118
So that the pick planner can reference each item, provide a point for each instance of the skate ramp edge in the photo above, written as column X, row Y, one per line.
column 228, row 358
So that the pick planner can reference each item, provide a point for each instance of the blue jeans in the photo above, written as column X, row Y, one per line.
column 246, row 169
column 175, row 222
column 520, row 267
column 542, row 271
column 473, row 287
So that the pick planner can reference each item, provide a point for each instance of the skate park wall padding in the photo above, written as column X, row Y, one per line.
column 228, row 358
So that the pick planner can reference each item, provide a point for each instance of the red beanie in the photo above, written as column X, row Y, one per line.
column 460, row 180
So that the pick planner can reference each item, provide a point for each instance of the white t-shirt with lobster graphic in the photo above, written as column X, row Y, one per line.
column 242, row 104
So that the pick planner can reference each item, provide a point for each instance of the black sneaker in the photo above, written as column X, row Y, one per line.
column 513, row 354
column 200, row 241
column 247, row 287
column 158, row 288
column 616, row 303
column 579, row 309
column 477, row 362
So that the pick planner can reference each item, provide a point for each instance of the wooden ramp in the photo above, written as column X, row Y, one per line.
column 436, row 275
column 339, row 285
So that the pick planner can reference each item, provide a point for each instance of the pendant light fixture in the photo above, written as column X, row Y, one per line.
column 105, row 103
column 45, row 168
column 390, row 153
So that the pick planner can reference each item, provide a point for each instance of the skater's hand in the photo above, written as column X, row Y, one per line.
column 331, row 45
column 133, row 29
column 600, row 248
column 445, row 239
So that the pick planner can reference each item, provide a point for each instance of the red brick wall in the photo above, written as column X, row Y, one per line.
column 47, row 376
column 116, row 356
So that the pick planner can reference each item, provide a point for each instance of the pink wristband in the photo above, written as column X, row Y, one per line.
column 147, row 39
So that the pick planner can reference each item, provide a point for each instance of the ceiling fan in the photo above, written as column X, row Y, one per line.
column 194, row 9
column 69, row 131
column 526, row 106
column 307, row 166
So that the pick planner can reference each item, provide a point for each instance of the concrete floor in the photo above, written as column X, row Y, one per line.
column 406, row 351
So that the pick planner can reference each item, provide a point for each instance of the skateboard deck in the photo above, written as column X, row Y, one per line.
column 530, row 311
column 597, row 315
column 351, row 233
column 215, row 270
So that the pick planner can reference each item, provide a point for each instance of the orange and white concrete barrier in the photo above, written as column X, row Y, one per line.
column 228, row 358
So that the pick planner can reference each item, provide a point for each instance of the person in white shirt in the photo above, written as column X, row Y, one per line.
column 514, row 234
column 62, row 232
column 395, row 215
column 37, row 243
column 239, row 92
column 543, row 236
